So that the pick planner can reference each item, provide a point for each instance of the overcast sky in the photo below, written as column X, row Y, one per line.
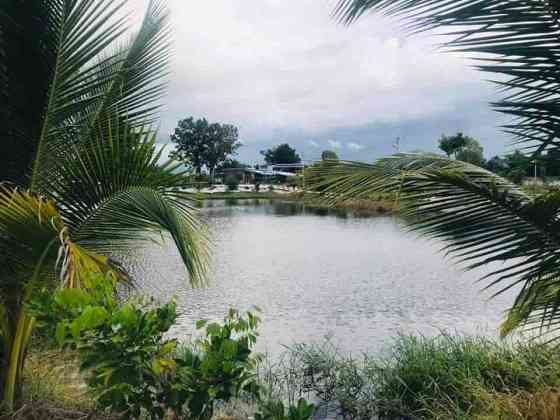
column 285, row 71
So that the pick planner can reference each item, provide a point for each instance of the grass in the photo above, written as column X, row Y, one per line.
column 445, row 377
column 442, row 377
column 53, row 388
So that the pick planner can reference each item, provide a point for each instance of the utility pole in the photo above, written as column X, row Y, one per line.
column 397, row 145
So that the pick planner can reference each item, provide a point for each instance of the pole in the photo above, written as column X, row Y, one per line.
column 397, row 145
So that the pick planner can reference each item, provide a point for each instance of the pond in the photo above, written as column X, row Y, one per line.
column 357, row 280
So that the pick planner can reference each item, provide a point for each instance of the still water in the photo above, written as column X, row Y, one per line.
column 357, row 280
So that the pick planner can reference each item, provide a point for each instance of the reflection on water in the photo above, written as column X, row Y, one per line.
column 318, row 273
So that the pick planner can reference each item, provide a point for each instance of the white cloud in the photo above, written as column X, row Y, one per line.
column 354, row 146
column 334, row 144
column 266, row 64
column 313, row 143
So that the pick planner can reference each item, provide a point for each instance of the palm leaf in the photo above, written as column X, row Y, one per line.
column 516, row 38
column 33, row 237
column 85, row 29
column 137, row 78
column 116, row 193
column 481, row 217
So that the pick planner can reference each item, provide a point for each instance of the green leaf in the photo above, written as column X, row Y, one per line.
column 61, row 332
column 92, row 317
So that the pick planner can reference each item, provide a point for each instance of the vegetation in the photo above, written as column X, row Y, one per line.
column 132, row 369
column 483, row 217
column 282, row 153
column 451, row 145
column 201, row 144
column 79, row 174
column 232, row 182
column 329, row 155
column 445, row 377
column 463, row 148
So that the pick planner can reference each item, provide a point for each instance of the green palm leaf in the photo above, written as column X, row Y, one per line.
column 80, row 171
column 481, row 217
column 516, row 38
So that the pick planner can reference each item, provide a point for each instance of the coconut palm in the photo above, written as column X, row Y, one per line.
column 80, row 173
column 483, row 218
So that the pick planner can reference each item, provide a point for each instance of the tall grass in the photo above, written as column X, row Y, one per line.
column 444, row 377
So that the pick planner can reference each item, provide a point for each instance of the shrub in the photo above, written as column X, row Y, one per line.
column 232, row 182
column 219, row 366
column 129, row 365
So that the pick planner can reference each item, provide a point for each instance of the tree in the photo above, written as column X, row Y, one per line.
column 203, row 144
column 498, row 165
column 453, row 144
column 484, row 218
column 471, row 152
column 329, row 155
column 282, row 153
column 232, row 164
column 80, row 176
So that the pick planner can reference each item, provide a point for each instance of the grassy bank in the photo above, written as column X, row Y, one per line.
column 379, row 204
column 445, row 377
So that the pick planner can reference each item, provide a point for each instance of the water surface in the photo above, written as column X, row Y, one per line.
column 358, row 280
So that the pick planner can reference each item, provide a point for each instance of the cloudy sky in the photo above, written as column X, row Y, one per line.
column 285, row 71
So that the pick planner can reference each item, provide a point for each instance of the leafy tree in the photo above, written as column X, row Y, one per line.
column 498, row 165
column 232, row 164
column 453, row 144
column 203, row 144
column 484, row 218
column 329, row 155
column 471, row 152
column 79, row 176
column 282, row 153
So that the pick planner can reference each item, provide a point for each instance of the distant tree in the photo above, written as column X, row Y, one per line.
column 204, row 145
column 471, row 152
column 329, row 155
column 282, row 153
column 453, row 144
column 232, row 164
column 519, row 166
column 498, row 165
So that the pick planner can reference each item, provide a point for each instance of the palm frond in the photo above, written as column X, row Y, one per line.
column 481, row 217
column 520, row 39
column 85, row 29
column 33, row 237
column 137, row 81
column 115, row 193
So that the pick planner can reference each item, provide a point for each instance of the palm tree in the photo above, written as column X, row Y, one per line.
column 483, row 218
column 79, row 171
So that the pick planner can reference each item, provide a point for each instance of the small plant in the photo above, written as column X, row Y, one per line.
column 121, row 348
column 275, row 410
column 232, row 182
column 221, row 365
column 129, row 365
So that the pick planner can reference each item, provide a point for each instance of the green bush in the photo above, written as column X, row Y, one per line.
column 129, row 365
column 232, row 182
column 220, row 366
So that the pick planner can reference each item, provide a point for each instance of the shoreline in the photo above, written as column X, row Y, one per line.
column 379, row 205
